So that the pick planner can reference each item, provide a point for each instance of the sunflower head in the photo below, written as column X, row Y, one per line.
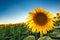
column 1, row 26
column 55, row 18
column 58, row 14
column 40, row 21
column 11, row 25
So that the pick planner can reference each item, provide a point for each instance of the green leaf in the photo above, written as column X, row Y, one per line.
column 45, row 38
column 55, row 34
column 29, row 38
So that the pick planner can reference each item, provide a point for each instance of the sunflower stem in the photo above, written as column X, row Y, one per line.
column 36, row 36
column 41, row 36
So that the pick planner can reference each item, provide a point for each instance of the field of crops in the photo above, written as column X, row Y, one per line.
column 20, row 31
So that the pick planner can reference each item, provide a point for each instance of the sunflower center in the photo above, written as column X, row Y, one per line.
column 57, row 13
column 40, row 19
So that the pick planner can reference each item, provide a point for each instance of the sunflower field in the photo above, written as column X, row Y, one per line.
column 39, row 26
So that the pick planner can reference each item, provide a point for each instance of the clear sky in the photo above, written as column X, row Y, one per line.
column 15, row 11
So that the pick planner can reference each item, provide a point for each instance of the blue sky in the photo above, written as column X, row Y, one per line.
column 15, row 11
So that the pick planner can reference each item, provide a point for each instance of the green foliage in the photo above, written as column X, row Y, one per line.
column 29, row 38
column 45, row 38
column 16, row 33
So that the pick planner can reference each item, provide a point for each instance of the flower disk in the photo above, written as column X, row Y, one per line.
column 58, row 14
column 40, row 21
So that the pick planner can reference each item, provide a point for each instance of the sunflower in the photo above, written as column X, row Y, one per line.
column 40, row 21
column 1, row 26
column 55, row 18
column 58, row 14
column 11, row 25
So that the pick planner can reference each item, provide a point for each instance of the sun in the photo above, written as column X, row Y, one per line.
column 40, row 21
